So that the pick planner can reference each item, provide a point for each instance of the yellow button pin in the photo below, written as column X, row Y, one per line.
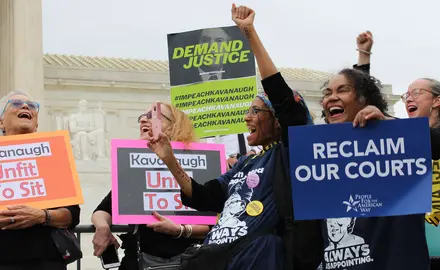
column 254, row 208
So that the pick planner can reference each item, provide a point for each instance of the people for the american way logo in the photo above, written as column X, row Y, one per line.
column 351, row 204
column 362, row 203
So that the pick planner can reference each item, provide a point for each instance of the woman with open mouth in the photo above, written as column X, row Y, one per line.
column 388, row 243
column 26, row 233
column 160, row 243
column 245, row 195
column 422, row 99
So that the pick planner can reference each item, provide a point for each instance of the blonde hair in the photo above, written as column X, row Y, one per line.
column 183, row 128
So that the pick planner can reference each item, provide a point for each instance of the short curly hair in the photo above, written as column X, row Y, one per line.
column 368, row 88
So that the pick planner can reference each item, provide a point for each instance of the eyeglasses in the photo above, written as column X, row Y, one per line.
column 18, row 103
column 148, row 115
column 252, row 111
column 415, row 93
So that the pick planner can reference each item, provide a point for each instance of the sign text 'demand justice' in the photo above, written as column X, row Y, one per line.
column 209, row 54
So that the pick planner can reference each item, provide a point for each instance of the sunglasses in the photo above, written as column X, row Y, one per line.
column 18, row 103
column 149, row 115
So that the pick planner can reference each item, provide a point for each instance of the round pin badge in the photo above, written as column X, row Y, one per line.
column 252, row 180
column 254, row 208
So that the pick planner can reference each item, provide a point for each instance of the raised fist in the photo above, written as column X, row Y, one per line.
column 365, row 41
column 242, row 16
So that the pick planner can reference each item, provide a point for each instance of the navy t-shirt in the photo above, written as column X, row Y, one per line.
column 385, row 243
column 231, row 194
column 234, row 221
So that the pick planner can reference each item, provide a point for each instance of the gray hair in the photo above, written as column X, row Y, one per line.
column 435, row 88
column 4, row 101
column 434, row 84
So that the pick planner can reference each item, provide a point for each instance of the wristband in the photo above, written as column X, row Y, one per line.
column 46, row 222
column 189, row 229
column 363, row 51
column 181, row 232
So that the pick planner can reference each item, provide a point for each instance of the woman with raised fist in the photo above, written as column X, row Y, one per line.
column 256, row 229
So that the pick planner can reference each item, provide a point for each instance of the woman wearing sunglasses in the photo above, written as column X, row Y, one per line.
column 25, row 232
column 161, row 243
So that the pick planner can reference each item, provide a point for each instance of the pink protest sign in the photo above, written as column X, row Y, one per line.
column 141, row 182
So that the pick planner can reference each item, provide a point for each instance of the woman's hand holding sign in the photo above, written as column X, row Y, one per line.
column 368, row 113
column 21, row 217
column 164, row 225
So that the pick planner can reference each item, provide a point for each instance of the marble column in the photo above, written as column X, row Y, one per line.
column 21, row 50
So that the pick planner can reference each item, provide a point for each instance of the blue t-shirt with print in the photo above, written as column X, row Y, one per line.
column 234, row 222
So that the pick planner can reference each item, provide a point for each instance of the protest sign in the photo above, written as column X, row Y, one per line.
column 383, row 169
column 141, row 182
column 213, row 78
column 38, row 170
column 434, row 216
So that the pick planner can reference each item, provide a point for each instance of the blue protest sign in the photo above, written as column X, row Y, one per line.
column 383, row 169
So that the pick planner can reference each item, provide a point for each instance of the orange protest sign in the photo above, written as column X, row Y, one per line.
column 38, row 170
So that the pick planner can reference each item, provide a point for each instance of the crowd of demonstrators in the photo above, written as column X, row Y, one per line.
column 26, row 240
column 252, row 230
column 163, row 242
column 353, row 95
